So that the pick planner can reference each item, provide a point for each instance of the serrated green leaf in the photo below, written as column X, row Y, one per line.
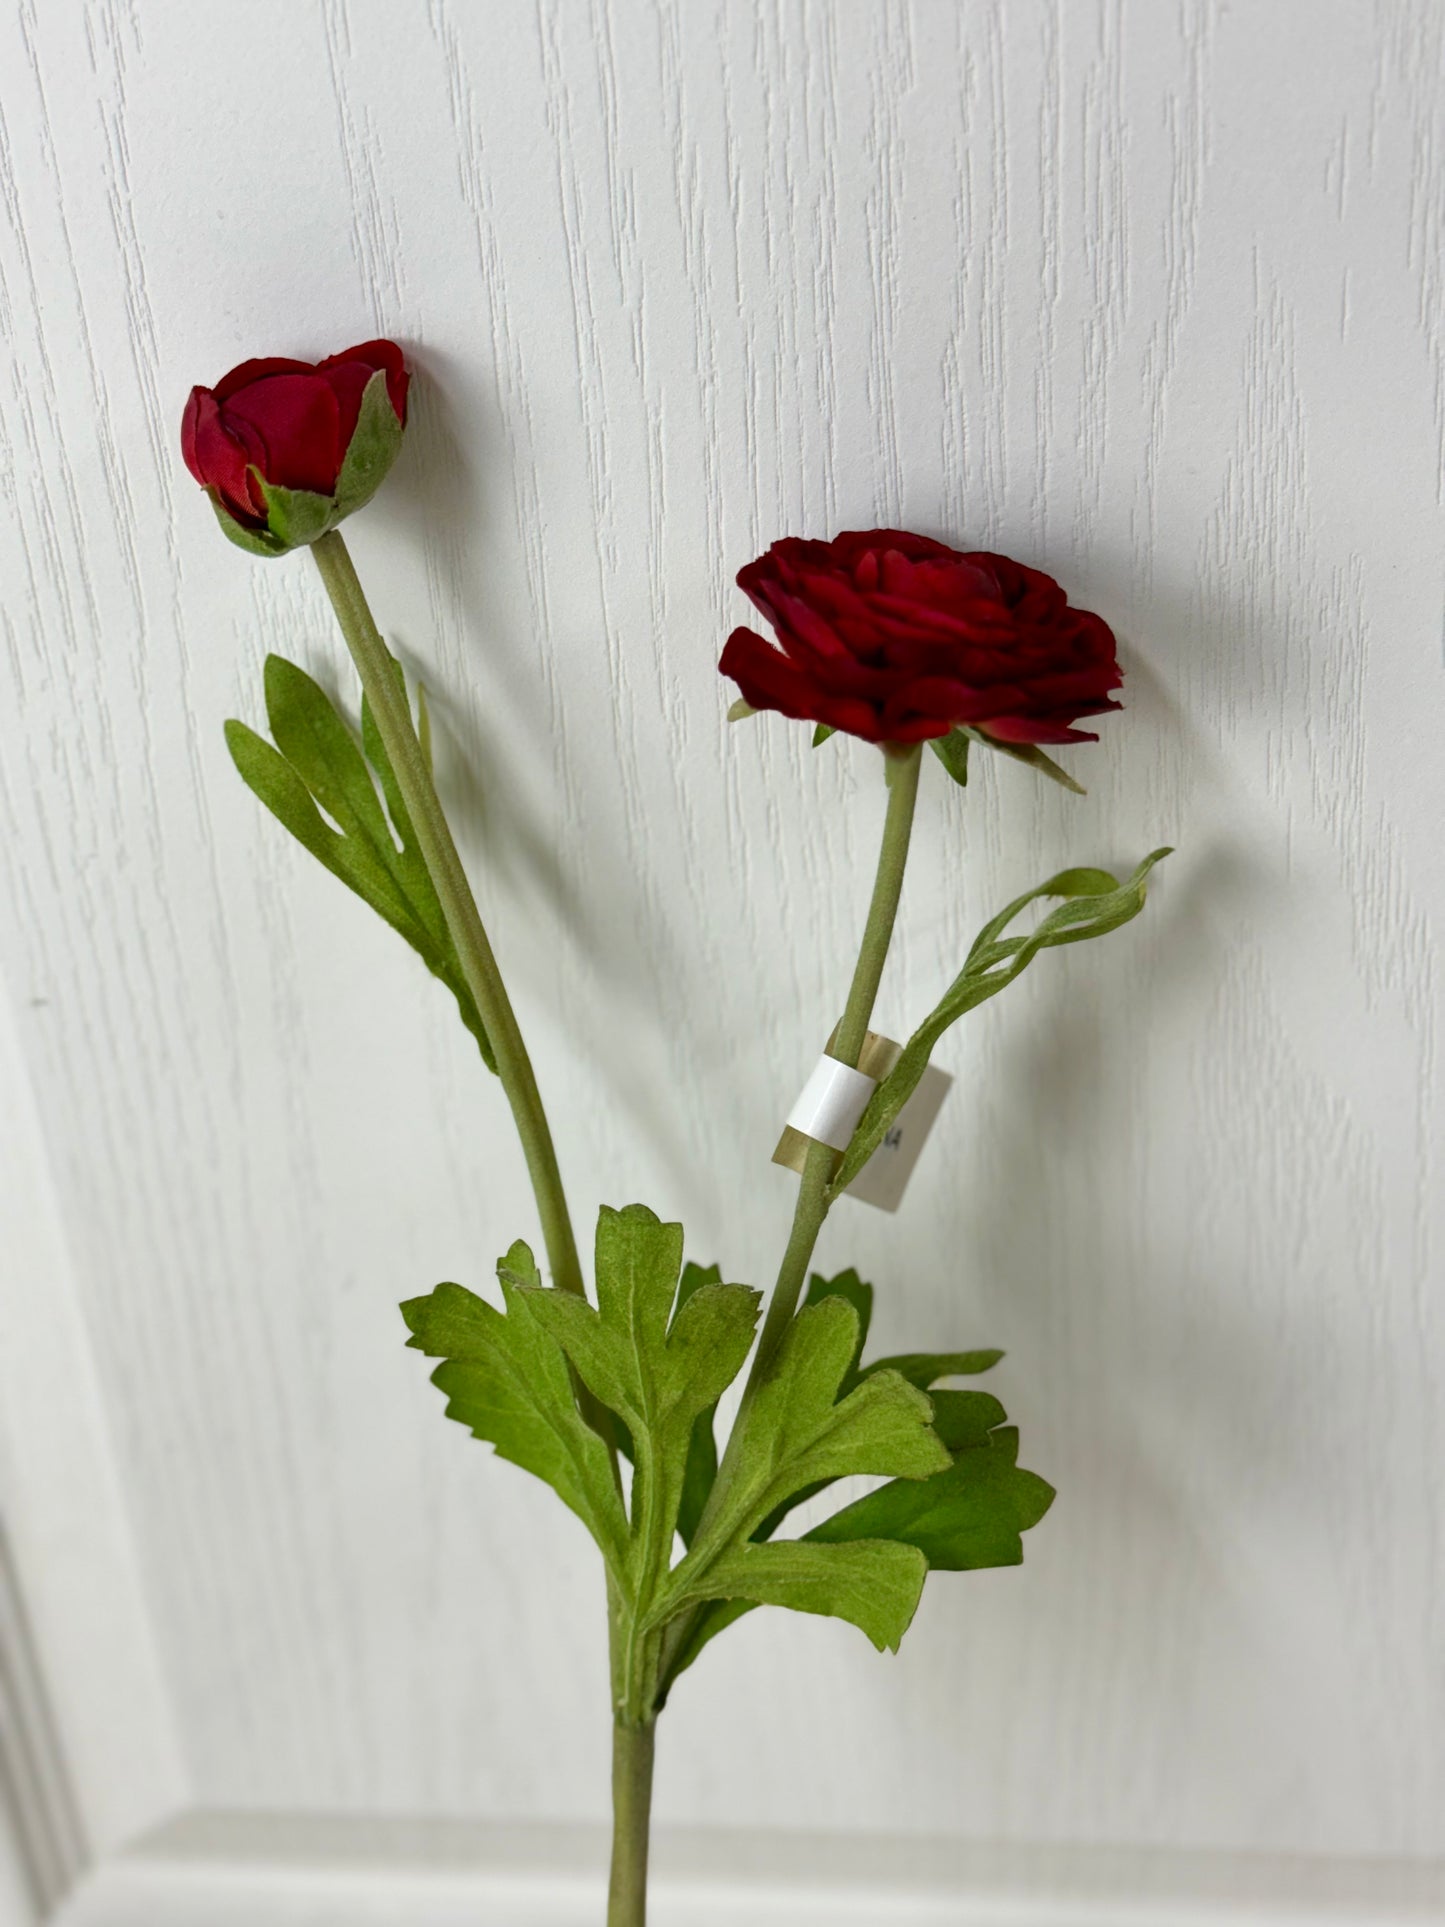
column 1029, row 753
column 952, row 751
column 658, row 1370
column 876, row 1587
column 1096, row 903
column 374, row 445
column 970, row 1516
column 967, row 1516
column 506, row 1379
column 796, row 1433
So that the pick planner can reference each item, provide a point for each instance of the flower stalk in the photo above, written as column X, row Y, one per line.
column 459, row 906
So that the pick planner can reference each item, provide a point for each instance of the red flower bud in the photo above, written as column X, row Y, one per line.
column 285, row 449
column 896, row 638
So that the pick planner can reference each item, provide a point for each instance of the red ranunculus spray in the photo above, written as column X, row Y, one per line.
column 612, row 1399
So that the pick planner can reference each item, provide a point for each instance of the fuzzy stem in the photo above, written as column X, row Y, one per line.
column 439, row 852
column 632, row 1756
column 902, row 770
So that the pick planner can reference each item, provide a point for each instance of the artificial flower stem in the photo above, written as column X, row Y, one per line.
column 902, row 769
column 632, row 1755
column 439, row 852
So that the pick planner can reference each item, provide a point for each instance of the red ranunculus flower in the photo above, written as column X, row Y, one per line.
column 896, row 638
column 324, row 433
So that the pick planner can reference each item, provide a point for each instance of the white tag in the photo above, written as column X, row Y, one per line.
column 831, row 1102
column 883, row 1178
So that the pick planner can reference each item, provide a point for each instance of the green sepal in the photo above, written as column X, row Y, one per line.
column 253, row 541
column 822, row 733
column 1096, row 904
column 505, row 1378
column 295, row 516
column 952, row 751
column 317, row 761
column 1029, row 753
column 374, row 446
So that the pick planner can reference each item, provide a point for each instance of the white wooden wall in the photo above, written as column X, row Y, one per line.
column 1146, row 292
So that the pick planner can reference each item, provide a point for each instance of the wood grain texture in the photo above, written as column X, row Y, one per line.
column 1148, row 295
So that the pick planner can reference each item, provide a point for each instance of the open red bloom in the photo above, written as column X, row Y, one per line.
column 290, row 421
column 897, row 638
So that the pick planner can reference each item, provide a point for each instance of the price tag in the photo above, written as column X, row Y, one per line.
column 885, row 1176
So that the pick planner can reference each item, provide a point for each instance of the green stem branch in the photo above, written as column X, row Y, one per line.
column 439, row 851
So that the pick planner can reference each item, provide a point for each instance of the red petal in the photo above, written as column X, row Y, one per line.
column 374, row 355
column 296, row 420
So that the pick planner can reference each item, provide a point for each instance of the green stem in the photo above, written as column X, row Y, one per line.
column 902, row 769
column 632, row 1755
column 439, row 852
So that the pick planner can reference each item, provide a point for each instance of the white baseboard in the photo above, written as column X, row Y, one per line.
column 238, row 1870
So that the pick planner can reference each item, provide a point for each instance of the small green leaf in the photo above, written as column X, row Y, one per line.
column 739, row 711
column 295, row 516
column 924, row 1369
column 1029, row 753
column 701, row 1467
column 822, row 733
column 374, row 445
column 506, row 1379
column 970, row 1516
column 1096, row 903
column 876, row 1587
column 657, row 1370
column 952, row 751
column 859, row 1294
column 323, row 761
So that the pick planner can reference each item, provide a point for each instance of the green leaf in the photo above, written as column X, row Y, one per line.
column 701, row 1467
column 739, row 711
column 1029, row 753
column 295, row 516
column 876, row 1586
column 822, row 733
column 859, row 1295
column 374, row 445
column 796, row 1433
column 1096, row 904
column 319, row 759
column 970, row 1516
column 924, row 1369
column 952, row 751
column 506, row 1379
column 658, row 1370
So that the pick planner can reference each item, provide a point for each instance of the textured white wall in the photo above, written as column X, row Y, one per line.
column 1148, row 294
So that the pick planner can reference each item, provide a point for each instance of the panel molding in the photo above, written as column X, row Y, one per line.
column 232, row 1869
